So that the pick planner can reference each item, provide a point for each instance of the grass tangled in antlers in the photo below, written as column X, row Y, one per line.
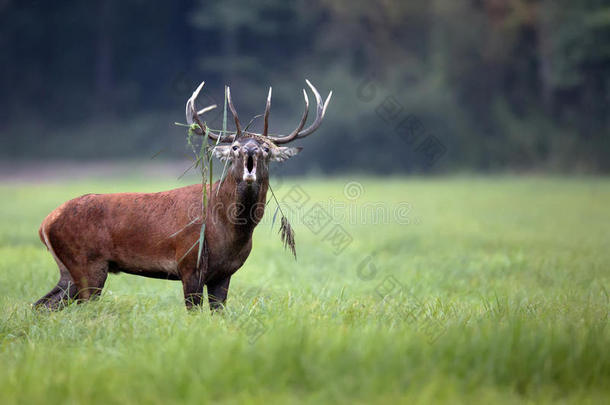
column 203, row 161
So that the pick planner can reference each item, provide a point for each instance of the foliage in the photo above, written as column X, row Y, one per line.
column 504, row 85
column 512, row 307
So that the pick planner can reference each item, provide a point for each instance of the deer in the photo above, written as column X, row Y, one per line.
column 152, row 234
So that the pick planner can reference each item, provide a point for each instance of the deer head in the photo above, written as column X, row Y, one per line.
column 249, row 153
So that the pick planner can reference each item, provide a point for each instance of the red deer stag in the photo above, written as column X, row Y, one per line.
column 152, row 234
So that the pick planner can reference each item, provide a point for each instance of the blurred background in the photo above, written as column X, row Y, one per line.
column 419, row 86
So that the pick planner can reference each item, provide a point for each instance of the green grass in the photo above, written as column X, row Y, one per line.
column 503, row 298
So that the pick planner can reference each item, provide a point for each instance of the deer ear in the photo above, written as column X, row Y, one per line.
column 282, row 153
column 222, row 152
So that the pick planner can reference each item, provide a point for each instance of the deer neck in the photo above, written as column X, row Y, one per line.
column 241, row 205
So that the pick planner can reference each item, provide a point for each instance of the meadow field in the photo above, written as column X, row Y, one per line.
column 406, row 290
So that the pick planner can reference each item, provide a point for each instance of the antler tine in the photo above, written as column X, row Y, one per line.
column 192, row 115
column 206, row 109
column 237, row 125
column 326, row 103
column 293, row 134
column 267, row 109
column 190, row 104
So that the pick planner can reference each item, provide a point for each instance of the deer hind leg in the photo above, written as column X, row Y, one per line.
column 65, row 290
column 81, row 276
column 80, row 283
column 89, row 278
column 60, row 295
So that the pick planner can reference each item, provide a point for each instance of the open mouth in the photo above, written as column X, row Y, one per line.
column 250, row 169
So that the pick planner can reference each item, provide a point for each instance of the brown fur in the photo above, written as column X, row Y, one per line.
column 153, row 235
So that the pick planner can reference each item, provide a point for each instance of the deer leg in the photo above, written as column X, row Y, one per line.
column 59, row 296
column 89, row 279
column 63, row 297
column 192, row 284
column 217, row 293
column 65, row 289
column 192, row 275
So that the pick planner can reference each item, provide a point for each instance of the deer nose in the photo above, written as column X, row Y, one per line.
column 251, row 150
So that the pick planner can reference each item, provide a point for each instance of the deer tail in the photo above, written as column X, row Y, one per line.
column 44, row 237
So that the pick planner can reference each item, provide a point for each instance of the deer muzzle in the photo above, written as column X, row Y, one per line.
column 250, row 161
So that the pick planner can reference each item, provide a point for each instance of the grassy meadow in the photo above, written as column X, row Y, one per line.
column 435, row 290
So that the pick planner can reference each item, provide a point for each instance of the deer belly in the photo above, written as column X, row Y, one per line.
column 132, row 263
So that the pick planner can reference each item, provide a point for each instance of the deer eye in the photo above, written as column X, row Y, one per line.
column 235, row 147
column 266, row 149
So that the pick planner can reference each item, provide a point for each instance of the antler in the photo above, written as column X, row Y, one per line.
column 192, row 115
column 232, row 108
column 294, row 133
column 299, row 132
column 235, row 116
column 267, row 109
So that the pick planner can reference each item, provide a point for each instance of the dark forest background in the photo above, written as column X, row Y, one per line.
column 419, row 86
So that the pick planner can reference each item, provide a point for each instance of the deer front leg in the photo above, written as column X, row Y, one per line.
column 192, row 284
column 217, row 292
